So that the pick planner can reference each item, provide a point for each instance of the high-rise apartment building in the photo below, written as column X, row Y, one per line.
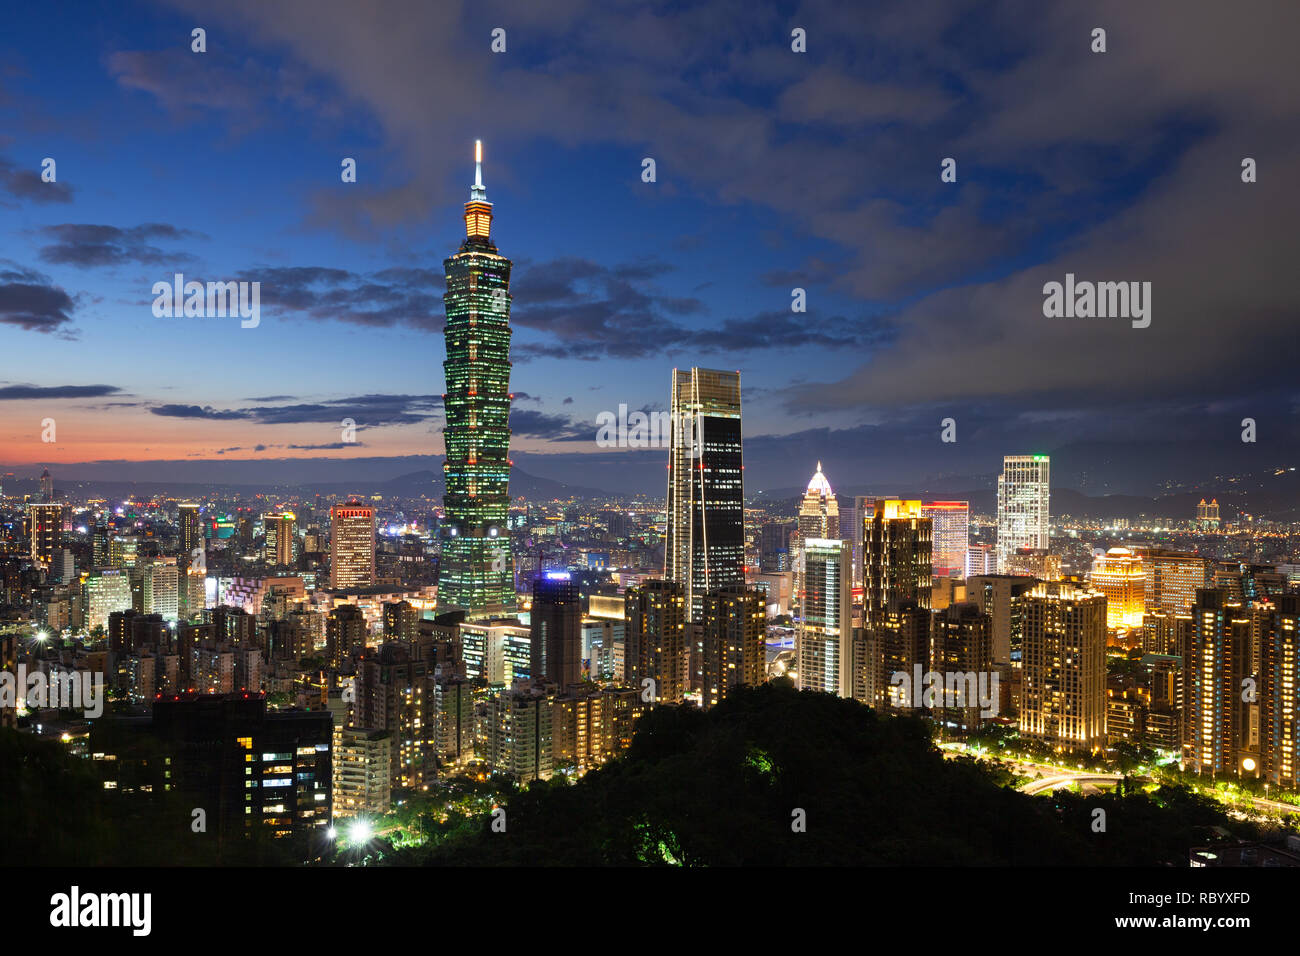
column 1063, row 692
column 961, row 645
column 1172, row 578
column 950, row 529
column 705, row 543
column 655, row 639
column 1280, row 677
column 1001, row 596
column 735, row 630
column 1222, row 719
column 824, row 631
column 1023, row 499
column 520, row 725
column 476, row 572
column 352, row 545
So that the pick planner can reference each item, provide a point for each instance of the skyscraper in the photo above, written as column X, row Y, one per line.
column 705, row 544
column 1118, row 575
column 1222, row 720
column 897, row 549
column 950, row 522
column 47, row 485
column 191, row 561
column 352, row 545
column 477, row 572
column 1063, row 695
column 556, row 629
column 819, row 515
column 278, row 529
column 1023, row 493
column 824, row 631
column 1172, row 578
column 45, row 532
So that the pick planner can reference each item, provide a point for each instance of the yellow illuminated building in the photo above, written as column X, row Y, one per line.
column 1119, row 575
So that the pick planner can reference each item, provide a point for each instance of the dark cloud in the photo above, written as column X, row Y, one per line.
column 86, row 245
column 385, row 299
column 20, row 392
column 535, row 424
column 364, row 410
column 31, row 301
column 27, row 184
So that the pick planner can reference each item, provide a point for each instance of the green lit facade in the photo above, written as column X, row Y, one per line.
column 477, row 570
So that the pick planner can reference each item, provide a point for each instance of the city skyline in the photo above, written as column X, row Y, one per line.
column 336, row 538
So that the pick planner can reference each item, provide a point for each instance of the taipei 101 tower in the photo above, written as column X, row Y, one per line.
column 477, row 571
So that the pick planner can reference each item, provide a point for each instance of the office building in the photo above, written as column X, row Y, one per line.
column 556, row 630
column 824, row 631
column 1023, row 500
column 950, row 534
column 705, row 541
column 1119, row 575
column 352, row 545
column 476, row 572
column 897, row 554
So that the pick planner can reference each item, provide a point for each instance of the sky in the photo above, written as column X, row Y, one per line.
column 775, row 170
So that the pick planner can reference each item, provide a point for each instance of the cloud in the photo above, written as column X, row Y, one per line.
column 27, row 184
column 23, row 392
column 86, row 245
column 535, row 424
column 31, row 301
column 364, row 410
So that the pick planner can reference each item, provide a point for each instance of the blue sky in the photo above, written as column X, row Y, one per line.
column 774, row 170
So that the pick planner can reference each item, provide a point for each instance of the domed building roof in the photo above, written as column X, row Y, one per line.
column 819, row 484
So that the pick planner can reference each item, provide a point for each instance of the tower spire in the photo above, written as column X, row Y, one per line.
column 478, row 211
column 477, row 191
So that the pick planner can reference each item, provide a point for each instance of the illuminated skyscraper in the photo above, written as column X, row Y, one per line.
column 45, row 532
column 950, row 523
column 1063, row 694
column 556, row 629
column 1281, row 683
column 1207, row 515
column 897, row 549
column 1222, row 720
column 705, row 545
column 819, row 515
column 352, row 545
column 279, row 537
column 1118, row 574
column 47, row 485
column 191, row 561
column 1023, row 493
column 824, row 631
column 477, row 571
